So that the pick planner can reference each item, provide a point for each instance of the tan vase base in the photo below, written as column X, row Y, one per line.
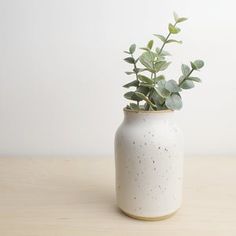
column 157, row 218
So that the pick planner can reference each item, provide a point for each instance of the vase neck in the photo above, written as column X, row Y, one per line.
column 131, row 116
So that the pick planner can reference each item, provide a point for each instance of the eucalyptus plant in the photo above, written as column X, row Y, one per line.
column 151, row 89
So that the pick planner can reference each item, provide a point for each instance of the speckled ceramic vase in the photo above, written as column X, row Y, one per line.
column 149, row 164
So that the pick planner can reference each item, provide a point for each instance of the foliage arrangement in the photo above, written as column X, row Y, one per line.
column 152, row 90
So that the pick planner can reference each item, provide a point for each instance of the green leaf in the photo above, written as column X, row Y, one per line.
column 196, row 79
column 161, row 65
column 179, row 19
column 161, row 90
column 134, row 106
column 137, row 70
column 145, row 79
column 176, row 17
column 199, row 64
column 158, row 65
column 134, row 83
column 162, row 83
column 156, row 97
column 173, row 41
column 143, row 97
column 165, row 66
column 158, row 78
column 161, row 37
column 132, row 48
column 130, row 60
column 185, row 69
column 193, row 66
column 143, row 90
column 173, row 29
column 145, row 49
column 174, row 102
column 147, row 85
column 147, row 59
column 159, row 58
column 187, row 84
column 164, row 93
column 132, row 96
column 163, row 53
column 129, row 95
column 129, row 72
column 182, row 19
column 172, row 86
column 150, row 44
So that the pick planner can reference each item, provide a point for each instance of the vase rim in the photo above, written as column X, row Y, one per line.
column 143, row 111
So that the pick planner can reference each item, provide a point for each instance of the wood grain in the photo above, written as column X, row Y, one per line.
column 75, row 196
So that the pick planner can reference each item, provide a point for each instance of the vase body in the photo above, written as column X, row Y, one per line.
column 149, row 164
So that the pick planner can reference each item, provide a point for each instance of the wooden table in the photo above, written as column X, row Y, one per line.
column 75, row 196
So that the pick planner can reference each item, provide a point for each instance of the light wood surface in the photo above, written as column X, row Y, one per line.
column 55, row 196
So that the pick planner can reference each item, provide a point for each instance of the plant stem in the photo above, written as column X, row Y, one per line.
column 186, row 77
column 164, row 43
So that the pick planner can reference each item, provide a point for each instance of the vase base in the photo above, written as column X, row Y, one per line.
column 157, row 218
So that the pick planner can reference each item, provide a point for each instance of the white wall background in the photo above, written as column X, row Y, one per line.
column 61, row 72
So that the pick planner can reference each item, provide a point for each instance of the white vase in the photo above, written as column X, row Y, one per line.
column 149, row 164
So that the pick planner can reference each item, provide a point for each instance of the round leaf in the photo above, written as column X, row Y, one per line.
column 185, row 69
column 147, row 59
column 174, row 102
column 199, row 64
column 194, row 67
column 187, row 84
column 172, row 86
column 157, row 98
column 158, row 78
column 161, row 90
column 161, row 65
column 173, row 29
column 132, row 48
